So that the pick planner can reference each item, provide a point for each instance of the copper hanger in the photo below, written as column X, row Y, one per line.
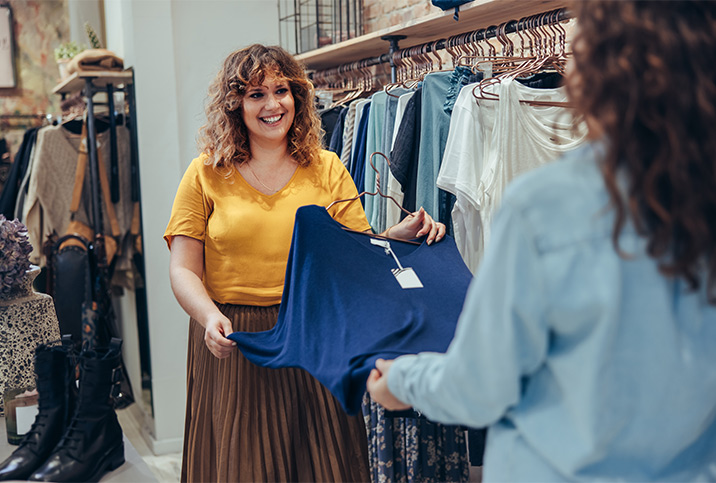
column 544, row 58
column 376, row 192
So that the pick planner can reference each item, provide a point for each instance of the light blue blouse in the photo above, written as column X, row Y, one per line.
column 585, row 365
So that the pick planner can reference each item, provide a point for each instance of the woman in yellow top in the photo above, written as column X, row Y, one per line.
column 229, row 235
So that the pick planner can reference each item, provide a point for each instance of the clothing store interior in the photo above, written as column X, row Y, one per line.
column 487, row 263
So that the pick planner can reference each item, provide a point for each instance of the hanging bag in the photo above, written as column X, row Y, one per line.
column 79, row 228
column 80, row 286
column 70, row 274
column 448, row 4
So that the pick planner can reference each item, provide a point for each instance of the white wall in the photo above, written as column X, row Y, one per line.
column 81, row 11
column 175, row 48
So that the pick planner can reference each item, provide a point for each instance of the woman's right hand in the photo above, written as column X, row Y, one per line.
column 217, row 327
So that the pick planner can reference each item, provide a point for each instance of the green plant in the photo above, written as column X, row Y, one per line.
column 92, row 36
column 67, row 50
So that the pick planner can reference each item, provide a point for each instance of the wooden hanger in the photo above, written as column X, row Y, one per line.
column 376, row 192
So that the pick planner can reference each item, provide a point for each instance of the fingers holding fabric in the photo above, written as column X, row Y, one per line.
column 377, row 386
column 216, row 330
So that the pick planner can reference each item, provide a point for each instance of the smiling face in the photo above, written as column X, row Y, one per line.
column 268, row 110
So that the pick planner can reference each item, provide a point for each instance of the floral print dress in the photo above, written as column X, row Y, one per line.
column 407, row 449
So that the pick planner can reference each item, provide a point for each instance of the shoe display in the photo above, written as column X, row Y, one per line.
column 55, row 370
column 93, row 441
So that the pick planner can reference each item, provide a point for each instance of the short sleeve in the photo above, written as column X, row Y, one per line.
column 463, row 157
column 190, row 210
column 347, row 213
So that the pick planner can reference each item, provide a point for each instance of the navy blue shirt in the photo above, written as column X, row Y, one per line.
column 342, row 307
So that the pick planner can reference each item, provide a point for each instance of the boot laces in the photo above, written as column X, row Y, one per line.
column 45, row 396
column 73, row 434
column 34, row 429
column 80, row 420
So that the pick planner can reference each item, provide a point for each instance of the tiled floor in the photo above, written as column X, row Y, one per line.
column 167, row 468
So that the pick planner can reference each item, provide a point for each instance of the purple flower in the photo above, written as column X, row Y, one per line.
column 15, row 251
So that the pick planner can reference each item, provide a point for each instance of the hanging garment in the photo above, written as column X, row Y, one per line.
column 46, row 208
column 336, row 143
column 382, row 204
column 524, row 137
column 404, row 157
column 343, row 306
column 392, row 211
column 492, row 142
column 348, row 129
column 360, row 107
column 374, row 142
column 10, row 190
column 359, row 144
column 329, row 118
column 434, row 128
column 471, row 125
column 461, row 76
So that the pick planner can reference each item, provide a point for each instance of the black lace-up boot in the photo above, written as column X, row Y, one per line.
column 55, row 370
column 92, row 443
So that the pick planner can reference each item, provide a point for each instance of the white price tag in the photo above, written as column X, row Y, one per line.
column 407, row 278
column 25, row 416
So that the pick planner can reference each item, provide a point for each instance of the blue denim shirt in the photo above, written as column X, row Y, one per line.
column 585, row 365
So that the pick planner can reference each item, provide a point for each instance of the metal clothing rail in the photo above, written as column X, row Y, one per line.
column 538, row 20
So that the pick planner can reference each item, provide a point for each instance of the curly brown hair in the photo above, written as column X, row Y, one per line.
column 225, row 139
column 644, row 75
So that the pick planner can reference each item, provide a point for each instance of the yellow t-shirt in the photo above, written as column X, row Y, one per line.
column 247, row 234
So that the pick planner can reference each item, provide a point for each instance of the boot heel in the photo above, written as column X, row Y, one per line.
column 116, row 459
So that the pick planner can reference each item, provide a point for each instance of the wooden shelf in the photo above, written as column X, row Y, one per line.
column 100, row 78
column 440, row 25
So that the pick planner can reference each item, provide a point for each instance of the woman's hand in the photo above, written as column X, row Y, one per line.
column 378, row 387
column 415, row 226
column 217, row 328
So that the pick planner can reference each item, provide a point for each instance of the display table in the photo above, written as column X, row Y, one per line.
column 133, row 470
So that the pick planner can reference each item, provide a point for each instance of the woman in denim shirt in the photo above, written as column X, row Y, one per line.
column 587, row 342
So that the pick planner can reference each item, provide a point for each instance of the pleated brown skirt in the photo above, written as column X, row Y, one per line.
column 249, row 423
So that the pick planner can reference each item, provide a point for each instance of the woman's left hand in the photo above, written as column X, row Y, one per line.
column 416, row 225
column 377, row 386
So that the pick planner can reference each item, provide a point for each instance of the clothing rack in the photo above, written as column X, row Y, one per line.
column 539, row 20
column 99, row 320
column 91, row 83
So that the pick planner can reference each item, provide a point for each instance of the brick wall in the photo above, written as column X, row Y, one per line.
column 381, row 14
column 39, row 27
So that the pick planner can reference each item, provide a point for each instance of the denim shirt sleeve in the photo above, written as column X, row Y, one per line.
column 501, row 336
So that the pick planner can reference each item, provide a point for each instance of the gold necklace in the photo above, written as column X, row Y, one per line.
column 273, row 191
